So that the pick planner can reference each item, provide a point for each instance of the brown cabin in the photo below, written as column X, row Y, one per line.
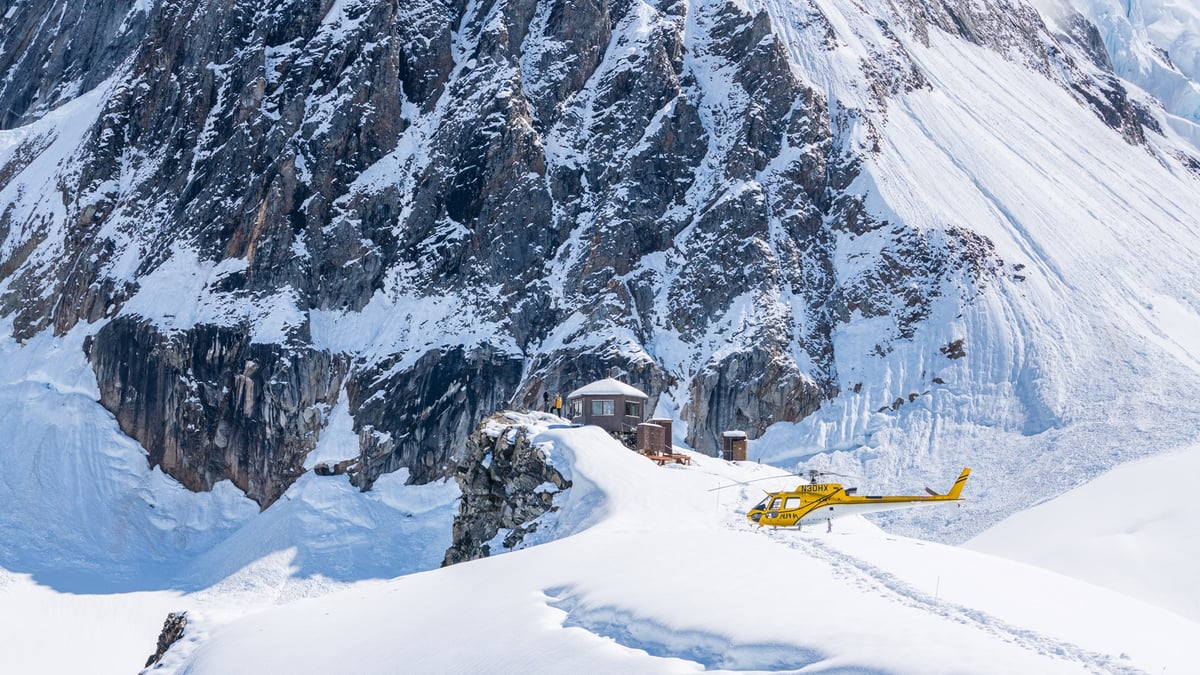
column 609, row 404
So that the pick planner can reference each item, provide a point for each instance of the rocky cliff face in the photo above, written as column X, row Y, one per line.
column 209, row 405
column 407, row 419
column 51, row 52
column 451, row 207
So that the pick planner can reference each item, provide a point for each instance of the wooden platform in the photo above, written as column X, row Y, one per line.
column 663, row 457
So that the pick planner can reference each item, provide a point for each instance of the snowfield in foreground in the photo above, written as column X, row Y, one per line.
column 644, row 569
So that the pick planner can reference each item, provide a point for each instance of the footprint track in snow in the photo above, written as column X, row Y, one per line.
column 887, row 585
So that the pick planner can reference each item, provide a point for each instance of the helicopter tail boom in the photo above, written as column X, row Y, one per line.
column 956, row 491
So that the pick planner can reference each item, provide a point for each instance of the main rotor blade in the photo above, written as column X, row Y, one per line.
column 747, row 482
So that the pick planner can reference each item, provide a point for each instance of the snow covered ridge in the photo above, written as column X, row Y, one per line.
column 653, row 570
column 663, row 574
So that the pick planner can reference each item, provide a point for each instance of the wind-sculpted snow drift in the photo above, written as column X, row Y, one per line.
column 926, row 234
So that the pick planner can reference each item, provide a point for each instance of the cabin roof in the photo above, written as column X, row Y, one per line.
column 607, row 387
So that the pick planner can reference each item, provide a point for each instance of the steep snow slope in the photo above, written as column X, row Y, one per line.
column 1081, row 355
column 82, row 510
column 97, row 545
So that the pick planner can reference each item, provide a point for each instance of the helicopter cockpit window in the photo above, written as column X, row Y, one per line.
column 761, row 506
column 774, row 504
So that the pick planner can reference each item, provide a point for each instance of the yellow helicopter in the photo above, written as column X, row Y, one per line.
column 818, row 502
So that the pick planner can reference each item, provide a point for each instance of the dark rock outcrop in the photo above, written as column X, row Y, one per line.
column 507, row 483
column 409, row 418
column 86, row 43
column 208, row 404
column 749, row 390
column 172, row 632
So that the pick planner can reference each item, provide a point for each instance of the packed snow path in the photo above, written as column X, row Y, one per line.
column 877, row 581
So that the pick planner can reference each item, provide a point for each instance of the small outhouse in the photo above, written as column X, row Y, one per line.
column 609, row 404
column 733, row 445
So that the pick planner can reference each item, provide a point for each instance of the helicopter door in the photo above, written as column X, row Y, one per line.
column 790, row 505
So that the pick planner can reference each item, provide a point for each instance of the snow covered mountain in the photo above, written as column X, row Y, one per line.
column 885, row 238
column 291, row 240
column 431, row 213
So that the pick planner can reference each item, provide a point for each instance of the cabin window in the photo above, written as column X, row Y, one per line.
column 576, row 407
column 791, row 503
column 633, row 409
column 602, row 408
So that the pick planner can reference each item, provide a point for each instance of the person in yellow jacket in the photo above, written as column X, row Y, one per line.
column 558, row 405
